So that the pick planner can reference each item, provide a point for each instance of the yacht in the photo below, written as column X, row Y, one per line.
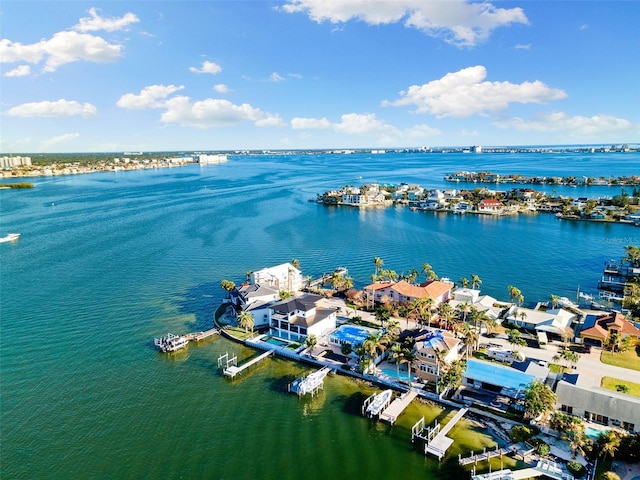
column 380, row 401
column 11, row 237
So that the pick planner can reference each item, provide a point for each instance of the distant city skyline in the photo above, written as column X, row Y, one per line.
column 310, row 74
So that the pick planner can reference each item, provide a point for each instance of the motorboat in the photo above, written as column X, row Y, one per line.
column 11, row 237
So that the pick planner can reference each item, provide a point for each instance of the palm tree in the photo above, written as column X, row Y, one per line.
column 554, row 301
column 426, row 305
column 228, row 286
column 295, row 262
column 393, row 329
column 608, row 443
column 569, row 356
column 397, row 353
column 464, row 282
column 520, row 299
column 371, row 345
column 311, row 341
column 514, row 292
column 446, row 314
column 464, row 308
column 245, row 320
column 523, row 316
column 428, row 272
column 378, row 263
column 475, row 281
column 408, row 357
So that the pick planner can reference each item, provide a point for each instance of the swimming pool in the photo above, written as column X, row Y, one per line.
column 276, row 341
column 497, row 375
column 593, row 433
column 392, row 372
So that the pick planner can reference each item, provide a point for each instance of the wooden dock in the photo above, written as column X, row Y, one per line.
column 393, row 411
column 436, row 441
column 233, row 370
column 197, row 336
column 475, row 458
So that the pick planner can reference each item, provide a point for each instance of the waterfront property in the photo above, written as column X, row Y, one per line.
column 496, row 378
column 598, row 405
column 553, row 321
column 598, row 328
column 256, row 299
column 280, row 277
column 296, row 318
column 433, row 351
column 353, row 335
column 403, row 292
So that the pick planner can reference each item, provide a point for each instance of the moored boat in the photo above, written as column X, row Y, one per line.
column 171, row 343
column 379, row 402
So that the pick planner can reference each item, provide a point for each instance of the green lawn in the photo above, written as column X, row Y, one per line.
column 629, row 359
column 611, row 383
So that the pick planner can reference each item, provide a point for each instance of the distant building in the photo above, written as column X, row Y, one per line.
column 596, row 329
column 12, row 162
column 204, row 159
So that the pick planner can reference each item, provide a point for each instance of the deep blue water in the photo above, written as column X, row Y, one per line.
column 107, row 261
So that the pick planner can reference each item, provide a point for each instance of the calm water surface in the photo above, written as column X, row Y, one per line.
column 108, row 261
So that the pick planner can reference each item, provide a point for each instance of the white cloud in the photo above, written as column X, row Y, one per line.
column 275, row 77
column 576, row 125
column 221, row 88
column 59, row 108
column 366, row 124
column 63, row 47
column 584, row 26
column 96, row 22
column 458, row 22
column 19, row 71
column 213, row 112
column 207, row 67
column 465, row 93
column 521, row 46
column 153, row 96
column 301, row 123
column 59, row 139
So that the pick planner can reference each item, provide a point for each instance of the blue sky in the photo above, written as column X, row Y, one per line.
column 297, row 74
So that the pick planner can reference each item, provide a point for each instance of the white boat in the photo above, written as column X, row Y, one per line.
column 341, row 271
column 171, row 343
column 378, row 403
column 11, row 237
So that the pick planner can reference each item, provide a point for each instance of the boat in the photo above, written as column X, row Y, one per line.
column 171, row 343
column 11, row 237
column 379, row 402
column 341, row 271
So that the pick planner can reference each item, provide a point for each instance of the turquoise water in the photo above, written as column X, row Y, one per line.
column 108, row 261
column 593, row 433
column 276, row 341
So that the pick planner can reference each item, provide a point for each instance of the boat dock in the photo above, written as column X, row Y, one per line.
column 393, row 411
column 173, row 343
column 376, row 403
column 436, row 441
column 475, row 458
column 232, row 369
column 543, row 468
column 309, row 384
column 202, row 335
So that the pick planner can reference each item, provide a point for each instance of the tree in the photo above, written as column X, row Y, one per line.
column 382, row 314
column 311, row 341
column 451, row 377
column 228, row 286
column 609, row 476
column 393, row 330
column 283, row 294
column 464, row 282
column 554, row 301
column 346, row 348
column 408, row 357
column 245, row 320
column 374, row 343
column 475, row 281
column 514, row 292
column 464, row 308
column 538, row 399
column 571, row 357
column 445, row 315
column 378, row 263
column 515, row 338
column 607, row 443
column 295, row 262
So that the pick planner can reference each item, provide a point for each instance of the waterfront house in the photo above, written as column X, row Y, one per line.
column 496, row 378
column 598, row 405
column 256, row 300
column 281, row 277
column 296, row 318
column 555, row 321
column 405, row 292
column 490, row 205
column 433, row 351
column 596, row 329
column 467, row 295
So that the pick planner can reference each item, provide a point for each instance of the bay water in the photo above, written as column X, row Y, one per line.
column 108, row 261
